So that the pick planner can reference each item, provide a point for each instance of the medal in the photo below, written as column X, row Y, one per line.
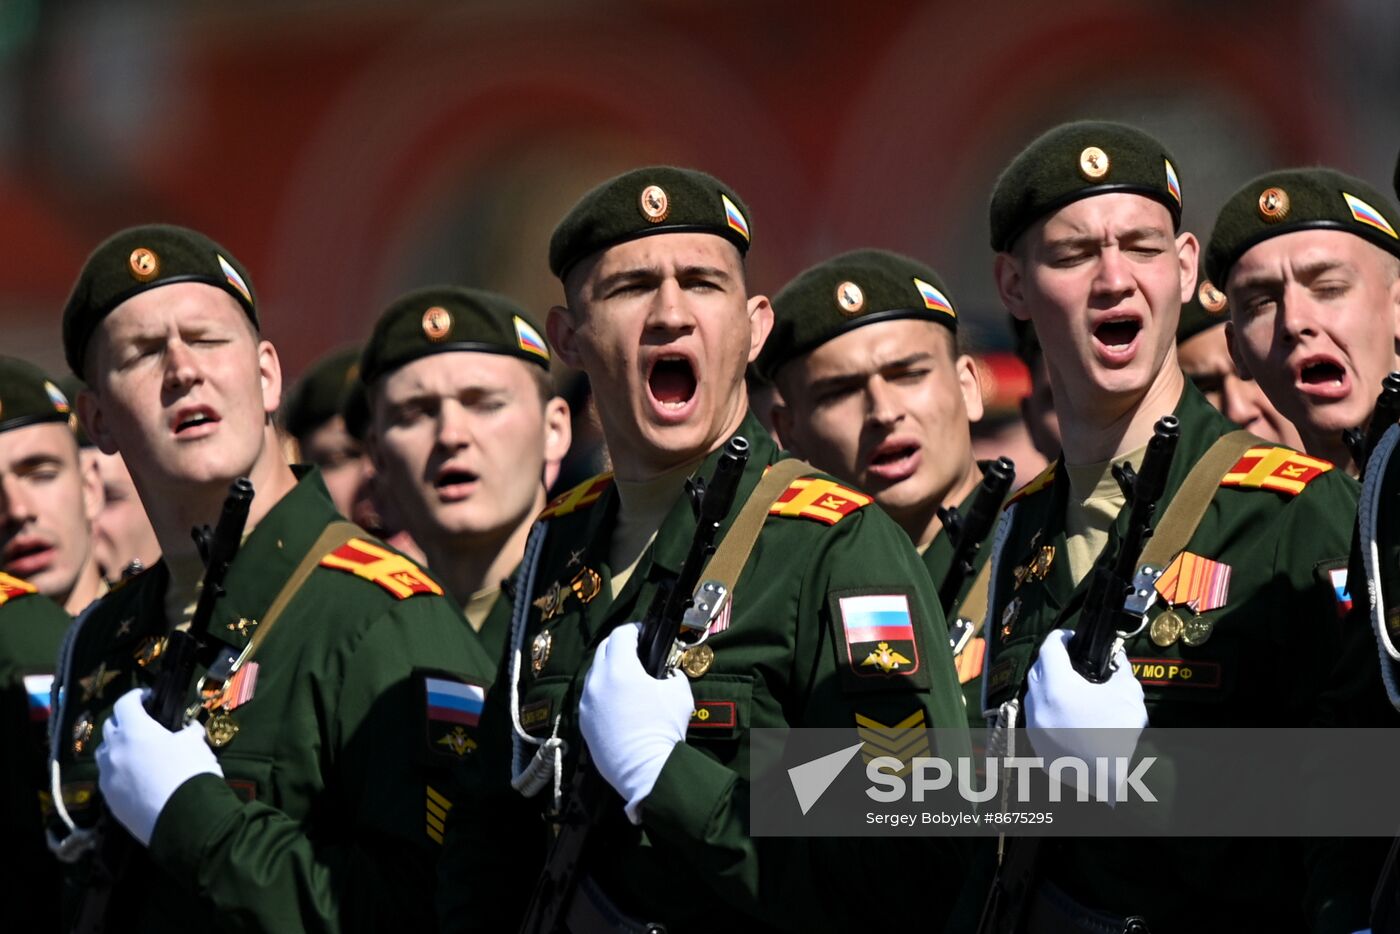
column 1039, row 568
column 1197, row 631
column 82, row 732
column 1166, row 629
column 551, row 604
column 1008, row 617
column 586, row 585
column 221, row 729
column 539, row 650
column 697, row 659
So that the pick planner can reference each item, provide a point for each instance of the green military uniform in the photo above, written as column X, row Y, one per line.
column 449, row 319
column 335, row 734
column 855, row 290
column 31, row 631
column 1247, row 608
column 783, row 656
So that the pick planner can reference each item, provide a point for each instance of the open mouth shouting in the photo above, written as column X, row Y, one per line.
column 1322, row 377
column 194, row 421
column 1116, row 337
column 672, row 387
column 454, row 484
column 893, row 460
column 28, row 555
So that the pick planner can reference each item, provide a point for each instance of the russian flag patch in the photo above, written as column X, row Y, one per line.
column 1173, row 185
column 735, row 217
column 879, row 629
column 453, row 712
column 234, row 279
column 38, row 688
column 934, row 300
column 528, row 339
column 1363, row 213
column 1339, row 590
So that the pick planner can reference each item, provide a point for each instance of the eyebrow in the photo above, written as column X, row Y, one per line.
column 655, row 273
column 841, row 380
column 1079, row 240
column 1312, row 270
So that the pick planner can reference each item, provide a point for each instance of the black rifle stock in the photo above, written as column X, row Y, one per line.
column 970, row 531
column 167, row 704
column 590, row 799
column 1106, row 609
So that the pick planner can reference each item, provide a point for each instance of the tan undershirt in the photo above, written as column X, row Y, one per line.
column 644, row 506
column 479, row 606
column 182, row 591
column 1094, row 503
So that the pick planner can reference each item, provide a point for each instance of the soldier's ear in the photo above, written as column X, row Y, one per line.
column 1188, row 251
column 970, row 382
column 90, row 414
column 558, row 432
column 781, row 418
column 1395, row 304
column 270, row 372
column 1006, row 268
column 760, row 324
column 559, row 325
column 1231, row 345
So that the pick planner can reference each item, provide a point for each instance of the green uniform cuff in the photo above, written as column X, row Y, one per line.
column 689, row 791
column 188, row 820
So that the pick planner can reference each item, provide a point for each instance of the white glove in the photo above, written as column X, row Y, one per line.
column 1068, row 715
column 630, row 720
column 140, row 764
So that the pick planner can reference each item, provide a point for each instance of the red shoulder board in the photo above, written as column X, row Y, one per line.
column 11, row 587
column 824, row 500
column 1279, row 469
column 585, row 494
column 1046, row 478
column 389, row 569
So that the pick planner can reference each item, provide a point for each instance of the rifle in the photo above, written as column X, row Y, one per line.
column 969, row 533
column 184, row 649
column 676, row 619
column 1385, row 414
column 1119, row 592
column 1119, row 595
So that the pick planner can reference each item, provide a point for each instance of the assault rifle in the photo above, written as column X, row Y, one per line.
column 1386, row 413
column 565, row 899
column 185, row 650
column 1119, row 592
column 968, row 533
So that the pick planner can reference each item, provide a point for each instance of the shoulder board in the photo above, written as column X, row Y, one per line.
column 1272, row 468
column 823, row 500
column 585, row 494
column 1047, row 477
column 12, row 587
column 389, row 569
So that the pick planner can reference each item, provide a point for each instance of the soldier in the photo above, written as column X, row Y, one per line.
column 48, row 499
column 40, row 482
column 464, row 428
column 1085, row 226
column 312, row 415
column 313, row 793
column 865, row 348
column 1310, row 261
column 660, row 318
column 1204, row 355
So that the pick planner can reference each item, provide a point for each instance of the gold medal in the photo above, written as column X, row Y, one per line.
column 551, row 603
column 221, row 729
column 1039, row 568
column 1166, row 629
column 586, row 585
column 82, row 732
column 697, row 659
column 148, row 650
column 1009, row 615
column 1197, row 631
column 539, row 651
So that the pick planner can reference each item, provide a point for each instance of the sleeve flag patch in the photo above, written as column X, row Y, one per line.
column 880, row 639
column 1278, row 469
column 822, row 500
column 390, row 570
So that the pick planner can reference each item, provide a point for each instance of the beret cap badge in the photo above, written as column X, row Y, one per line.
column 144, row 264
column 437, row 322
column 655, row 203
column 1211, row 299
column 850, row 298
column 1093, row 163
column 1273, row 204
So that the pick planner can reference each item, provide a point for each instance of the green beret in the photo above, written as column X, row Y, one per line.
column 1299, row 199
column 1077, row 160
column 70, row 386
column 847, row 292
column 320, row 393
column 141, row 258
column 448, row 318
column 1207, row 308
column 355, row 410
column 1396, row 179
column 655, row 200
column 28, row 396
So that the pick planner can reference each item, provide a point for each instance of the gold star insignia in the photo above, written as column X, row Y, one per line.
column 241, row 626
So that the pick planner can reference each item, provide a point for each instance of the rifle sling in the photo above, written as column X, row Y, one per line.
column 1193, row 498
column 734, row 549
